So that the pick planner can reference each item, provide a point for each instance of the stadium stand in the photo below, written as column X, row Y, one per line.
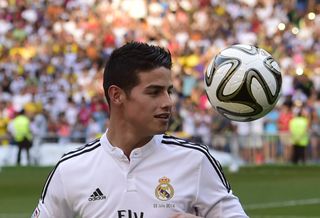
column 52, row 54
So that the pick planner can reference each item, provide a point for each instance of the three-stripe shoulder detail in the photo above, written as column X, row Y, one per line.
column 167, row 139
column 82, row 150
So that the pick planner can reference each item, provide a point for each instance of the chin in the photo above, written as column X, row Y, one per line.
column 157, row 128
column 161, row 131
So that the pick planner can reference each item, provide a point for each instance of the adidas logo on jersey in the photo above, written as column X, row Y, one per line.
column 97, row 195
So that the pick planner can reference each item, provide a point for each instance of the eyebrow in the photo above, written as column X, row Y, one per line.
column 158, row 87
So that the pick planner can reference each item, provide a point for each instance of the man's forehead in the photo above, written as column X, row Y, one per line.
column 159, row 76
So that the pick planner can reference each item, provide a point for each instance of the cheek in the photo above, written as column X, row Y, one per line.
column 147, row 104
column 141, row 107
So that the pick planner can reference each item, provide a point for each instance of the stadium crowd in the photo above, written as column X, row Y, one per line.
column 52, row 55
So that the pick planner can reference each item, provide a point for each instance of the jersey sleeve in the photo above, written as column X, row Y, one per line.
column 214, row 197
column 53, row 202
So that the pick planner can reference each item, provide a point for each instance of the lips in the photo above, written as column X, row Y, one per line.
column 163, row 116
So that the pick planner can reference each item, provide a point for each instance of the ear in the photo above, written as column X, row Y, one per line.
column 116, row 94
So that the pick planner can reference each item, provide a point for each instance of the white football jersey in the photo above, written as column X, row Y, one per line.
column 165, row 176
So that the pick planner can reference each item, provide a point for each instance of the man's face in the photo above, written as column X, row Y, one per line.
column 148, row 106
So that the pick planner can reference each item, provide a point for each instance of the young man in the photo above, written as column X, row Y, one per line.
column 134, row 170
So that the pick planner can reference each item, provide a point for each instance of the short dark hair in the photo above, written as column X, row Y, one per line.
column 126, row 62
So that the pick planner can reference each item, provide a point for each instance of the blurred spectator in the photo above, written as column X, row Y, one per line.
column 99, row 111
column 20, row 130
column 84, row 113
column 304, row 84
column 203, row 126
column 285, row 115
column 175, row 125
column 243, row 133
column 298, row 126
column 221, row 130
column 4, row 120
column 71, row 112
column 314, row 128
column 271, row 130
column 315, row 138
column 39, row 127
column 94, row 129
column 256, row 141
column 79, row 132
column 64, row 129
column 187, row 112
column 53, row 127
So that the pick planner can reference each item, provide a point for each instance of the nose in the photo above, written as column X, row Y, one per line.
column 167, row 101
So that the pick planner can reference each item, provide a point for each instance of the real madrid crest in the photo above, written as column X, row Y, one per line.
column 164, row 191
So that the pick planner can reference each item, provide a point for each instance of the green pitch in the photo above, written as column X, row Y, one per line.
column 267, row 191
column 278, row 191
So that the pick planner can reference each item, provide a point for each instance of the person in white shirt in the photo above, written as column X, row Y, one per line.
column 135, row 170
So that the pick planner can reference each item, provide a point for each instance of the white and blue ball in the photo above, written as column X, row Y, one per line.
column 243, row 82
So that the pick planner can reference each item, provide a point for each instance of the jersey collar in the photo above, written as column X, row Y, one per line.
column 137, row 152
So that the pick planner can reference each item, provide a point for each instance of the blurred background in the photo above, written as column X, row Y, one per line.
column 52, row 55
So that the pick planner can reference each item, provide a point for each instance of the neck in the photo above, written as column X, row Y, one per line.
column 126, row 138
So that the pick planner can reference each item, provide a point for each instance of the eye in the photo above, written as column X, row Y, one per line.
column 171, row 90
column 154, row 92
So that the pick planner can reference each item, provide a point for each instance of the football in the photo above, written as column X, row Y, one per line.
column 243, row 82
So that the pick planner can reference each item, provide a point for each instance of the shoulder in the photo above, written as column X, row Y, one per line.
column 198, row 152
column 71, row 165
column 185, row 145
column 86, row 151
